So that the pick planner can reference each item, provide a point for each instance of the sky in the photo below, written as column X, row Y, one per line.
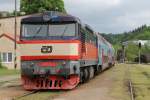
column 104, row 16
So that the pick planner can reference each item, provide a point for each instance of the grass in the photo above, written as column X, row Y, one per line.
column 5, row 72
column 140, row 76
column 119, row 89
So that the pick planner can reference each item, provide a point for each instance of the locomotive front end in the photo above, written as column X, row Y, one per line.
column 50, row 50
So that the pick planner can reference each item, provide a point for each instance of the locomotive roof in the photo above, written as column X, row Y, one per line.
column 50, row 17
column 53, row 17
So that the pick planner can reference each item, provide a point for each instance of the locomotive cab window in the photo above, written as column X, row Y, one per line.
column 34, row 30
column 62, row 30
column 49, row 30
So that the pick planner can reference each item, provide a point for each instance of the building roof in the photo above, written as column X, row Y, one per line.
column 9, row 36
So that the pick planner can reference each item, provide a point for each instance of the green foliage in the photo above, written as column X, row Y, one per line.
column 132, row 52
column 0, row 63
column 6, row 72
column 141, row 33
column 140, row 76
column 35, row 6
column 146, row 48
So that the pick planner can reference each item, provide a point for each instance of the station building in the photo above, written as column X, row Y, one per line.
column 7, row 42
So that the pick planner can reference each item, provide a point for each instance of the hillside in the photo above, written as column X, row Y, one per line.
column 140, row 33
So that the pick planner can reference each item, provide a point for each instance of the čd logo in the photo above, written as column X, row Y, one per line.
column 46, row 49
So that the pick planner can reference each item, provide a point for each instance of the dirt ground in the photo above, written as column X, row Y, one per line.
column 9, row 78
column 102, row 87
column 96, row 89
column 10, row 87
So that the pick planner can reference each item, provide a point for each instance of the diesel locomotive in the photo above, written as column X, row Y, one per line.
column 58, row 51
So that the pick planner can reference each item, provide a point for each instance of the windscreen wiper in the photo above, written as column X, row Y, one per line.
column 38, row 31
column 64, row 31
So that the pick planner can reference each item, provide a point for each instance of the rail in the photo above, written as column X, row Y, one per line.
column 25, row 94
column 130, row 85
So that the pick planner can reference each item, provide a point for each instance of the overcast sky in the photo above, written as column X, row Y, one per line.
column 108, row 16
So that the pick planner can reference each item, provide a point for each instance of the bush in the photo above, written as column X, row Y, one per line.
column 132, row 51
column 0, row 64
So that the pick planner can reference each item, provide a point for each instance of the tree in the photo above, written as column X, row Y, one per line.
column 35, row 6
column 146, row 48
column 132, row 51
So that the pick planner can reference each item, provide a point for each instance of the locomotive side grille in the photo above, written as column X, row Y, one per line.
column 83, row 41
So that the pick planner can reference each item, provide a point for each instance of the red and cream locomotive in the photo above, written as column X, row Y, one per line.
column 59, row 52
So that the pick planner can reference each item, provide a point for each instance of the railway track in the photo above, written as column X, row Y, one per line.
column 12, row 83
column 8, row 81
column 36, row 92
column 25, row 94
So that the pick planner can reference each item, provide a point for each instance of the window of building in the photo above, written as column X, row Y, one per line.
column 6, row 57
column 9, row 57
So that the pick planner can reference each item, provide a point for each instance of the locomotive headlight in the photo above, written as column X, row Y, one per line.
column 46, row 17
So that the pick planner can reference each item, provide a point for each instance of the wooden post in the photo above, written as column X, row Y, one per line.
column 140, row 45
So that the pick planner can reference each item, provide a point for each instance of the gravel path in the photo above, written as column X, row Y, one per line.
column 96, row 89
column 10, row 86
column 9, row 78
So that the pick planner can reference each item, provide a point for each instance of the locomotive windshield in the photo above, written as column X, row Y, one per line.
column 48, row 30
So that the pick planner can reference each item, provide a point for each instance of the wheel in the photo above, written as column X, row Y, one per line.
column 99, row 69
column 81, row 76
column 86, row 74
column 110, row 65
column 91, row 71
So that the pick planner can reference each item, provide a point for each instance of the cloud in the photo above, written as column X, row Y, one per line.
column 9, row 5
column 108, row 16
column 89, row 6
column 111, row 16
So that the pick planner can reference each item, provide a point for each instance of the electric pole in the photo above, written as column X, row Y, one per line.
column 15, row 32
column 124, row 44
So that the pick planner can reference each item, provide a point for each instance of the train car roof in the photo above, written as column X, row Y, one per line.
column 50, row 17
column 104, row 40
